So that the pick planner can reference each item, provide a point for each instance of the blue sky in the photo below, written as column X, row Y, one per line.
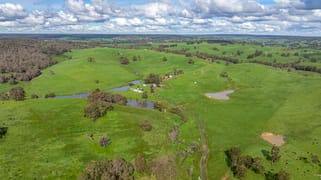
column 284, row 17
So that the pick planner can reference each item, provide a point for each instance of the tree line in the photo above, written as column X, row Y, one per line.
column 23, row 59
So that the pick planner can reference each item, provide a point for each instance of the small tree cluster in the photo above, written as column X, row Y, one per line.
column 255, row 54
column 177, row 72
column 117, row 169
column 281, row 175
column 100, row 102
column 16, row 94
column 146, row 125
column 153, row 79
column 124, row 60
column 239, row 164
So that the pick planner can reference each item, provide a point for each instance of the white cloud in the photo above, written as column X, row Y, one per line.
column 191, row 16
column 9, row 11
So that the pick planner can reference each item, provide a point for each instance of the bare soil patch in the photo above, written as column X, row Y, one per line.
column 277, row 140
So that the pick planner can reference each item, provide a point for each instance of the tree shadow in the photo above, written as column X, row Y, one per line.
column 228, row 159
column 266, row 154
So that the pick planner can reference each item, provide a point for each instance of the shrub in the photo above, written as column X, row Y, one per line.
column 17, row 94
column 315, row 159
column 4, row 96
column 146, row 125
column 224, row 74
column 124, row 60
column 282, row 175
column 190, row 61
column 144, row 95
column 91, row 59
column 164, row 59
column 104, row 141
column 34, row 96
column 135, row 58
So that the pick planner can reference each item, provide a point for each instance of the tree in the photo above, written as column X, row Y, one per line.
column 275, row 156
column 234, row 154
column 240, row 171
column 17, row 94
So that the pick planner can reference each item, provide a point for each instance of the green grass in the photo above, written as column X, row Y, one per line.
column 266, row 100
column 47, row 137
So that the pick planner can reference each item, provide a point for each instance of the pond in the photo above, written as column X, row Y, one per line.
column 141, row 104
column 125, row 88
column 132, row 103
column 220, row 95
column 85, row 95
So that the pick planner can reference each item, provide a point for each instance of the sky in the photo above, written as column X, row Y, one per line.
column 272, row 17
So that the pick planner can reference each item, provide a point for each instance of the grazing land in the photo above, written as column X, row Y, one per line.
column 187, row 135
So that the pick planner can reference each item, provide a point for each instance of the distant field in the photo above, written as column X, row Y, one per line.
column 47, row 138
column 241, row 51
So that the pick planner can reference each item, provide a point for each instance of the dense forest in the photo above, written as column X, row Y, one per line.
column 23, row 59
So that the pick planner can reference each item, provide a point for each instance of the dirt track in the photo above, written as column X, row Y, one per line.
column 205, row 149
